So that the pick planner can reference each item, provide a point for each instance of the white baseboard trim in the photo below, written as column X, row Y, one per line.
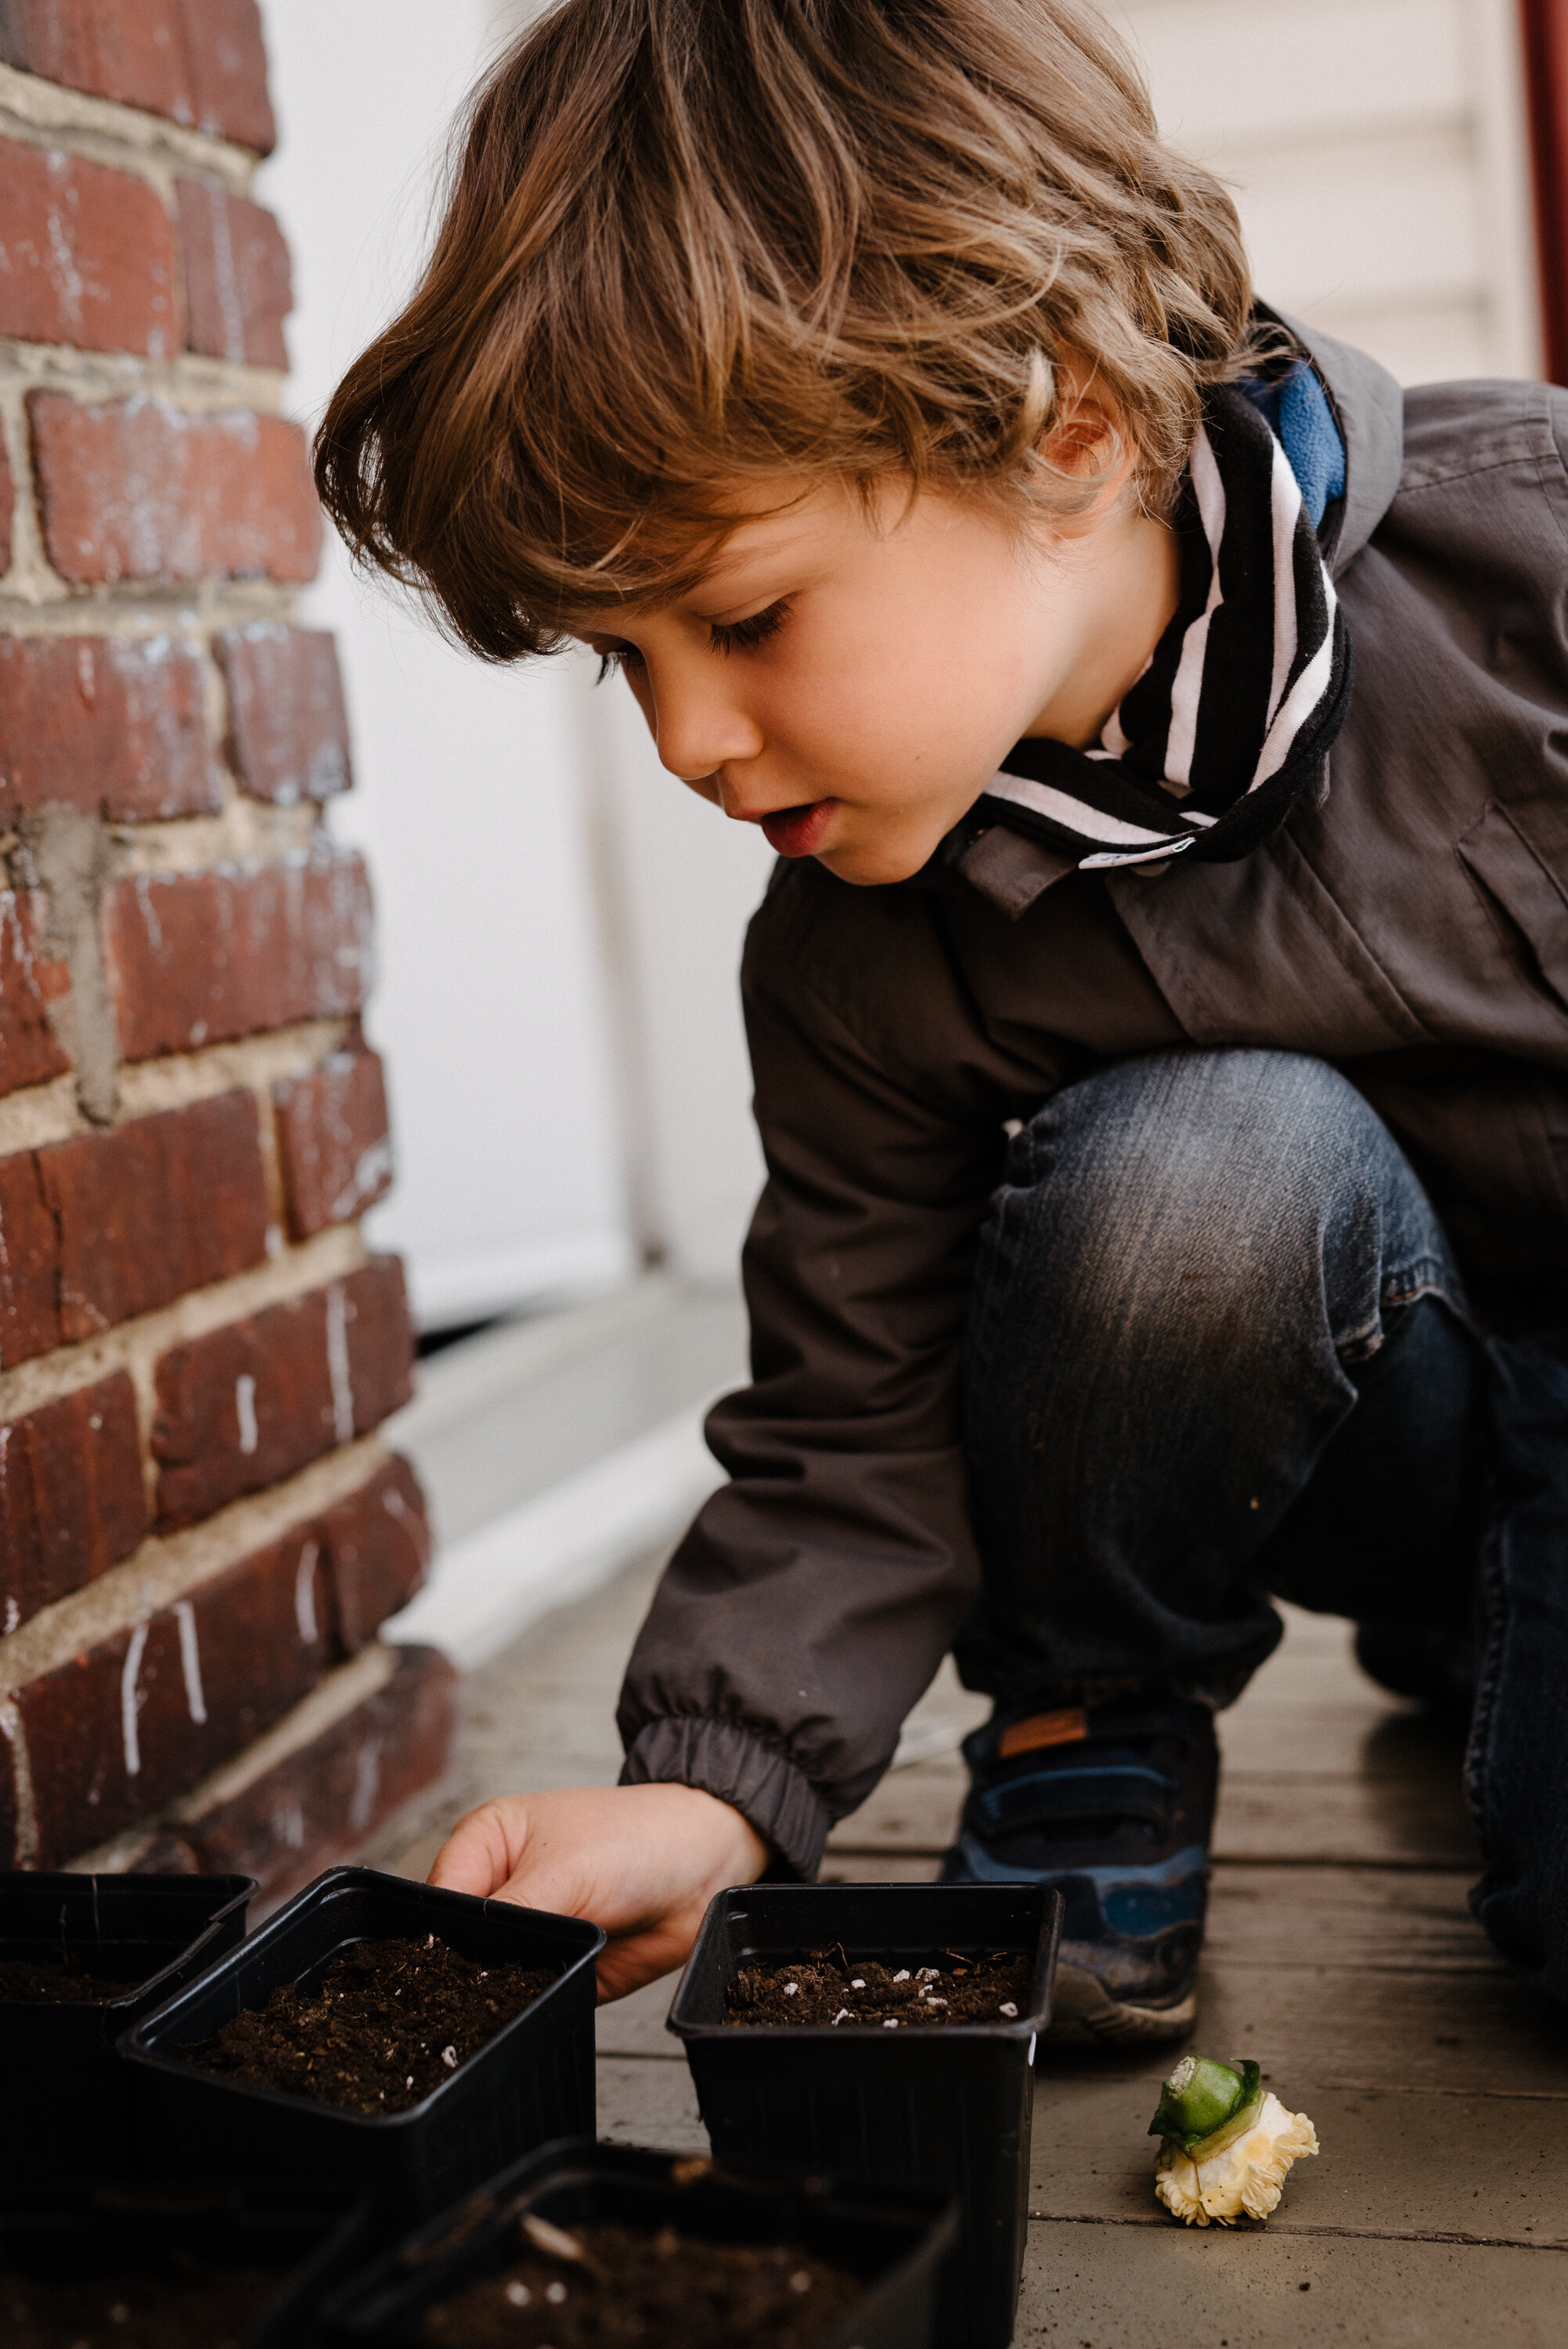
column 449, row 1287
column 486, row 1589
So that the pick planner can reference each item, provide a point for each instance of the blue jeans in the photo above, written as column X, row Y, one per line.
column 1219, row 1349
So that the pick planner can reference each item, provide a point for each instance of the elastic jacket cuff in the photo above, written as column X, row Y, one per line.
column 729, row 1762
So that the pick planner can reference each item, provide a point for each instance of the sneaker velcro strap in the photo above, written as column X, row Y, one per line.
column 1089, row 1790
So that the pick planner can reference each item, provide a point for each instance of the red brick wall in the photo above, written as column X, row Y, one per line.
column 200, row 1530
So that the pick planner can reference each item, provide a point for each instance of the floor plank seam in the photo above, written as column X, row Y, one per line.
column 1215, row 1959
column 1298, row 2232
column 1388, row 1867
column 1385, row 1866
column 1420, row 2088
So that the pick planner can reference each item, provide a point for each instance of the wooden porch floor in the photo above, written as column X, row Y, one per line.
column 1341, row 1955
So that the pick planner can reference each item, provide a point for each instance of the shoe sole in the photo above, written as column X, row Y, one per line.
column 1083, row 2012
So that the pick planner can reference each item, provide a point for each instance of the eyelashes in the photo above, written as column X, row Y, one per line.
column 745, row 636
column 736, row 636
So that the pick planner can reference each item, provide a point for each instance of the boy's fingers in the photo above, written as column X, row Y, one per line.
column 479, row 1856
column 631, row 1964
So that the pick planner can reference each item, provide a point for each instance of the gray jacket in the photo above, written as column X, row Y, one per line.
column 1412, row 929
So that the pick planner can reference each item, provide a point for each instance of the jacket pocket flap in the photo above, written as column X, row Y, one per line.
column 1508, row 851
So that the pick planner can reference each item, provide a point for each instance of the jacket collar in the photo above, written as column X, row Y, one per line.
column 1369, row 410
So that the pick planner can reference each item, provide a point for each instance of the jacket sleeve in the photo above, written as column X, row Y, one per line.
column 813, row 1598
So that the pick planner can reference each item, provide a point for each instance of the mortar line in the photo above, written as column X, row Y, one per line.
column 35, row 108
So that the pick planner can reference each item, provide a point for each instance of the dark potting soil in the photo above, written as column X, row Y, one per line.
column 667, row 2291
column 199, row 2308
column 56, row 1981
column 829, row 1987
column 387, row 2021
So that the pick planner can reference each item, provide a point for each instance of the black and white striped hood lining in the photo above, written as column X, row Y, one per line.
column 1230, row 721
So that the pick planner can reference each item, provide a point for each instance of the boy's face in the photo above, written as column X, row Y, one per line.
column 851, row 680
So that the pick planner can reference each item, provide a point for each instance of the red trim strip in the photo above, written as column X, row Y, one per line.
column 1545, row 28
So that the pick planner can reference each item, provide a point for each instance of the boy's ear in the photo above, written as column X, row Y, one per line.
column 1086, row 437
column 1086, row 440
column 1088, row 443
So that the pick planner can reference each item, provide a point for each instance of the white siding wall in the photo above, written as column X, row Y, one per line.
column 1376, row 149
column 491, row 1007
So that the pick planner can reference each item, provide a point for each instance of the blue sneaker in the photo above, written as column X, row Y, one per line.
column 1113, row 1804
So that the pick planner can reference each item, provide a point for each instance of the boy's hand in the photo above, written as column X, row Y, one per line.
column 642, row 1861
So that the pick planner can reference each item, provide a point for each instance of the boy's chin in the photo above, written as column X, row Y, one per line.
column 875, row 863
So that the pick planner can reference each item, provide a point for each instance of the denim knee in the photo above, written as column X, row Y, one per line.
column 1198, row 1204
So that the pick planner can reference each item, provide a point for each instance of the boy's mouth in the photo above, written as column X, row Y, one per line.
column 798, row 830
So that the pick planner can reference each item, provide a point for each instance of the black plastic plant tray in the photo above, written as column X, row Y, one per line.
column 894, row 2241
column 302, row 2245
column 946, row 2109
column 533, row 2081
column 154, row 1934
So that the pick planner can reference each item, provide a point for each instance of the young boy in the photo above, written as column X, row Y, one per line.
column 1159, row 1040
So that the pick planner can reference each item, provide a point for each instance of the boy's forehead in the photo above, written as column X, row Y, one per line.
column 763, row 540
column 760, row 556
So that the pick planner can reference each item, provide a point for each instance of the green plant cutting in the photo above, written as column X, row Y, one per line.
column 1228, row 2145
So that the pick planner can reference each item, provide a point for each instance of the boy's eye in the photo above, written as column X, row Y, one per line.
column 615, row 657
column 745, row 636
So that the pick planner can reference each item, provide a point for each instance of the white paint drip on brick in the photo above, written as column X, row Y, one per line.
column 27, row 1851
column 129, row 1705
column 367, row 1785
column 245, row 1411
column 374, row 1166
column 417, row 1528
column 337, row 1363
column 153, row 926
column 67, row 276
column 304, row 1594
column 190, row 1661
column 229, row 301
column 176, row 1565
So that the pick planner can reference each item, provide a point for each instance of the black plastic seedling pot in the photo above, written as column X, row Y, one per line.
column 533, row 2081
column 895, row 2242
column 946, row 2109
column 109, row 2245
column 151, row 1933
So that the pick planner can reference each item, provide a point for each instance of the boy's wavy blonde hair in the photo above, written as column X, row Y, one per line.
column 693, row 249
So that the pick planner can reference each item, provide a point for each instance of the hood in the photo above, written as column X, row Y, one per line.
column 1369, row 410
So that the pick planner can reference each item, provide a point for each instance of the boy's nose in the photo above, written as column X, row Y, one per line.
column 699, row 737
